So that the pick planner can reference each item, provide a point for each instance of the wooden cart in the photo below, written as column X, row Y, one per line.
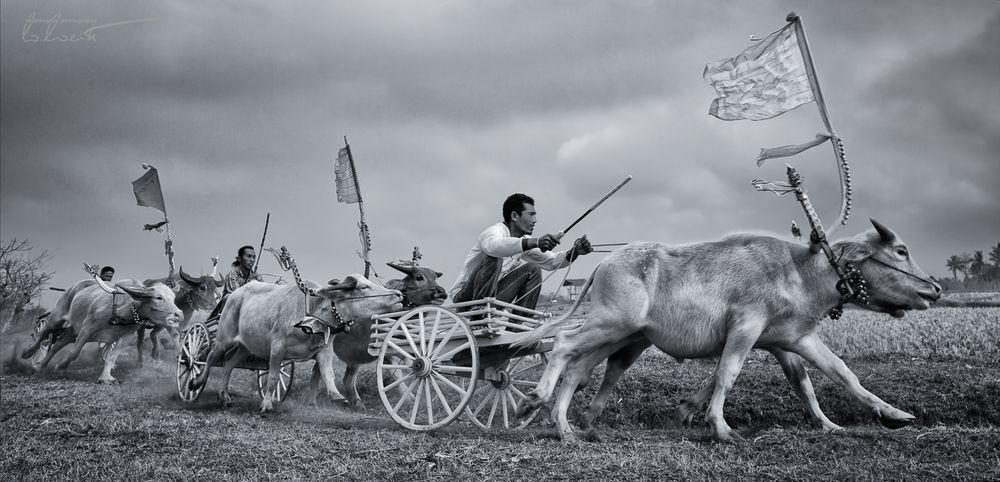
column 437, row 363
column 192, row 359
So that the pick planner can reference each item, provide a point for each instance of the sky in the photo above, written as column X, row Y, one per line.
column 450, row 106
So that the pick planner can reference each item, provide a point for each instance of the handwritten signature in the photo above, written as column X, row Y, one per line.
column 59, row 29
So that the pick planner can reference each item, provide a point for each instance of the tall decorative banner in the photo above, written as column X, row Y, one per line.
column 349, row 191
column 347, row 185
column 773, row 75
column 147, row 190
column 148, row 193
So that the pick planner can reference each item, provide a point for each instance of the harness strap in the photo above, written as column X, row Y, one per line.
column 883, row 263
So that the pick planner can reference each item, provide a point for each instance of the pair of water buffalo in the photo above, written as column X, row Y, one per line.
column 712, row 299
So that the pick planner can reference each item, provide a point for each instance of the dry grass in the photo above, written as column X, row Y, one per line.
column 63, row 426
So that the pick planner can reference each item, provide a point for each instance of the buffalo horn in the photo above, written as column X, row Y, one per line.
column 885, row 233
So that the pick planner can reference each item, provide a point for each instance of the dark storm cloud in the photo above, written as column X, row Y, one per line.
column 450, row 106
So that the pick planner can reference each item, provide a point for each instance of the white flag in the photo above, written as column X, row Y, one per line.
column 347, row 188
column 765, row 80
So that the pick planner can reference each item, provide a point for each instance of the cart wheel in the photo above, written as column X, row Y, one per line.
column 494, row 402
column 192, row 359
column 107, row 349
column 427, row 368
column 43, row 347
column 287, row 374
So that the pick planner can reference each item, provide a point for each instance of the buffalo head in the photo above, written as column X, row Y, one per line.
column 420, row 286
column 895, row 282
column 154, row 303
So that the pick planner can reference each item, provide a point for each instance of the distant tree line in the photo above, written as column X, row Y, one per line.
column 978, row 271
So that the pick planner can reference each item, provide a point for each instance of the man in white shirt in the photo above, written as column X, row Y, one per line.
column 506, row 255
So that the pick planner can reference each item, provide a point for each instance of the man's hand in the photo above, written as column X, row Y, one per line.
column 580, row 247
column 548, row 242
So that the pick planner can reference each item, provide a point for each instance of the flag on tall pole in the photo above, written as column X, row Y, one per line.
column 147, row 190
column 349, row 191
column 773, row 75
column 148, row 193
column 765, row 80
column 347, row 183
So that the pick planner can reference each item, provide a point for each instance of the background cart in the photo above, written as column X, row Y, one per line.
column 192, row 359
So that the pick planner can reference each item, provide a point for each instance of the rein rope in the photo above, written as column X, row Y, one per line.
column 850, row 284
column 287, row 263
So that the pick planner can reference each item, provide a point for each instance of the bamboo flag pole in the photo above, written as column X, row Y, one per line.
column 366, row 239
column 267, row 221
column 838, row 144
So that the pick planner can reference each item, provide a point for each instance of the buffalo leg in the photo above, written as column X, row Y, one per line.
column 219, row 350
column 618, row 363
column 798, row 378
column 597, row 331
column 323, row 370
column 109, row 364
column 274, row 374
column 812, row 348
column 237, row 356
column 140, row 337
column 86, row 332
column 60, row 343
column 739, row 343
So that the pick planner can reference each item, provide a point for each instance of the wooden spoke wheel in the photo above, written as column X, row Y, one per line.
column 285, row 376
column 501, row 388
column 107, row 349
column 192, row 360
column 43, row 347
column 427, row 368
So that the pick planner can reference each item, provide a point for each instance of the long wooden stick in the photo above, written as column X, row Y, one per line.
column 598, row 203
column 267, row 221
column 836, row 142
column 365, row 236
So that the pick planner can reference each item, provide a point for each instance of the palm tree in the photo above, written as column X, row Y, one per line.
column 978, row 266
column 955, row 263
column 966, row 262
column 995, row 256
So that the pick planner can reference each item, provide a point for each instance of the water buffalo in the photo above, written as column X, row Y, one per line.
column 724, row 299
column 419, row 287
column 95, row 315
column 271, row 322
column 191, row 294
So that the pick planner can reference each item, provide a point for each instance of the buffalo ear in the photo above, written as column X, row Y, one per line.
column 438, row 274
column 885, row 233
column 401, row 268
column 852, row 251
column 149, row 282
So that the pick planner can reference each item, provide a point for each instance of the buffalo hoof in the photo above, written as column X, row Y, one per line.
column 586, row 421
column 266, row 407
column 592, row 436
column 568, row 438
column 108, row 381
column 894, row 419
column 729, row 437
column 225, row 399
column 528, row 406
column 832, row 427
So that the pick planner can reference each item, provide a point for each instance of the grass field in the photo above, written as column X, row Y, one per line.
column 942, row 365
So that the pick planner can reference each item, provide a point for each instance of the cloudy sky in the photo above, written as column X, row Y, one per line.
column 450, row 106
